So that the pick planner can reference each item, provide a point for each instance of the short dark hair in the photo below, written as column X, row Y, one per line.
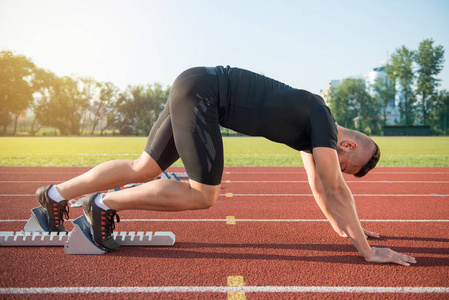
column 370, row 164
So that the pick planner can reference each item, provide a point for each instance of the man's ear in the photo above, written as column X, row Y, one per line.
column 348, row 145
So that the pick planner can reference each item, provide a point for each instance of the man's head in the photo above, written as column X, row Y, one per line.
column 357, row 153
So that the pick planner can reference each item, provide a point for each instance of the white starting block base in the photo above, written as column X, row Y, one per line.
column 79, row 240
column 27, row 238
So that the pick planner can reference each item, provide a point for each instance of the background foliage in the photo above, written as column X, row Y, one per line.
column 411, row 81
column 46, row 104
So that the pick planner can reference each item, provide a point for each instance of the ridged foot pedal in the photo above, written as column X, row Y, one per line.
column 79, row 240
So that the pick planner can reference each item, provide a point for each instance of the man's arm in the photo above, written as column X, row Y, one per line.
column 320, row 197
column 318, row 191
column 342, row 207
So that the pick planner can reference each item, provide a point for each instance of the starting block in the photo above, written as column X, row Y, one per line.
column 79, row 240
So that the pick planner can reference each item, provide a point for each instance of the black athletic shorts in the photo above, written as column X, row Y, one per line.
column 189, row 128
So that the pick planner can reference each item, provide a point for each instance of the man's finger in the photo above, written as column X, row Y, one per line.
column 409, row 259
column 371, row 234
column 405, row 260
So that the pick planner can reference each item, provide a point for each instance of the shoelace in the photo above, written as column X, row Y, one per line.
column 65, row 211
column 60, row 213
column 108, row 226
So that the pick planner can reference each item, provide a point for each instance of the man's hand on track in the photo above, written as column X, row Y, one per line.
column 386, row 255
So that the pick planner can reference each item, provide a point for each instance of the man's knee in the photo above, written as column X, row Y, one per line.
column 209, row 201
column 207, row 196
column 146, row 167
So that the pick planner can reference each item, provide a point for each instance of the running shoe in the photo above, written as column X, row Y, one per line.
column 102, row 223
column 56, row 211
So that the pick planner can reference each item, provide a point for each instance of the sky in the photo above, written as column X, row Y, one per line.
column 305, row 44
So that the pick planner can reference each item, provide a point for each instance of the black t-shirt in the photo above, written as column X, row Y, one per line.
column 259, row 106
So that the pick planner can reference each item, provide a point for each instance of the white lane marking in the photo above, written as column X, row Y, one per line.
column 304, row 172
column 355, row 195
column 44, row 172
column 256, row 220
column 263, row 181
column 284, row 195
column 227, row 172
column 27, row 181
column 224, row 289
column 347, row 181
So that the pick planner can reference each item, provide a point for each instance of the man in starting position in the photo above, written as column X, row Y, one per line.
column 201, row 99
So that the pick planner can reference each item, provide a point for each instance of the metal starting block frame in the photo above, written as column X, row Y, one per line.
column 79, row 240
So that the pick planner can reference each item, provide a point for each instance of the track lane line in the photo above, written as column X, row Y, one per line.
column 230, row 195
column 235, row 172
column 224, row 289
column 255, row 220
column 355, row 195
column 261, row 181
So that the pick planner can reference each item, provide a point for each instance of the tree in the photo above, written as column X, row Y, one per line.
column 63, row 106
column 126, row 113
column 401, row 73
column 159, row 97
column 153, row 99
column 341, row 104
column 104, row 104
column 139, row 107
column 350, row 100
column 43, row 83
column 16, row 90
column 143, row 104
column 439, row 116
column 385, row 91
column 89, row 89
column 430, row 61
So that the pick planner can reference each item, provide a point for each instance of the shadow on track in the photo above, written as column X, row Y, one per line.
column 323, row 253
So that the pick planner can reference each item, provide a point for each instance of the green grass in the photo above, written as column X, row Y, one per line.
column 414, row 151
column 239, row 151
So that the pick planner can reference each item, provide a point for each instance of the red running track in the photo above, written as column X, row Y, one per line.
column 280, row 245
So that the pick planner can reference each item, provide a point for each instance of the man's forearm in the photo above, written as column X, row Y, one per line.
column 320, row 199
column 342, row 206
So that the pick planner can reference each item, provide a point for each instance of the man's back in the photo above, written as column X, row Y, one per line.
column 260, row 106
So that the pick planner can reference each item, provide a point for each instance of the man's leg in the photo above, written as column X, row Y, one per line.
column 164, row 195
column 108, row 175
column 111, row 174
column 161, row 195
column 193, row 133
column 158, row 195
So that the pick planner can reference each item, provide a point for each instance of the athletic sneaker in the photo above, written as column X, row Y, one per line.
column 55, row 210
column 102, row 223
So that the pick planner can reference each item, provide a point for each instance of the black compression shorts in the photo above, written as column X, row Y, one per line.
column 189, row 128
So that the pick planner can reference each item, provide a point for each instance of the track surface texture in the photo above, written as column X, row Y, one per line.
column 264, row 239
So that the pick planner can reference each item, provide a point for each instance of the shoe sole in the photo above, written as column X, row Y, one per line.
column 87, row 209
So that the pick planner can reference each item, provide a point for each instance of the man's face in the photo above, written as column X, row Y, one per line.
column 348, row 168
column 348, row 165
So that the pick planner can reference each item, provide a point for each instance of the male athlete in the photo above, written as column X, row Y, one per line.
column 201, row 99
